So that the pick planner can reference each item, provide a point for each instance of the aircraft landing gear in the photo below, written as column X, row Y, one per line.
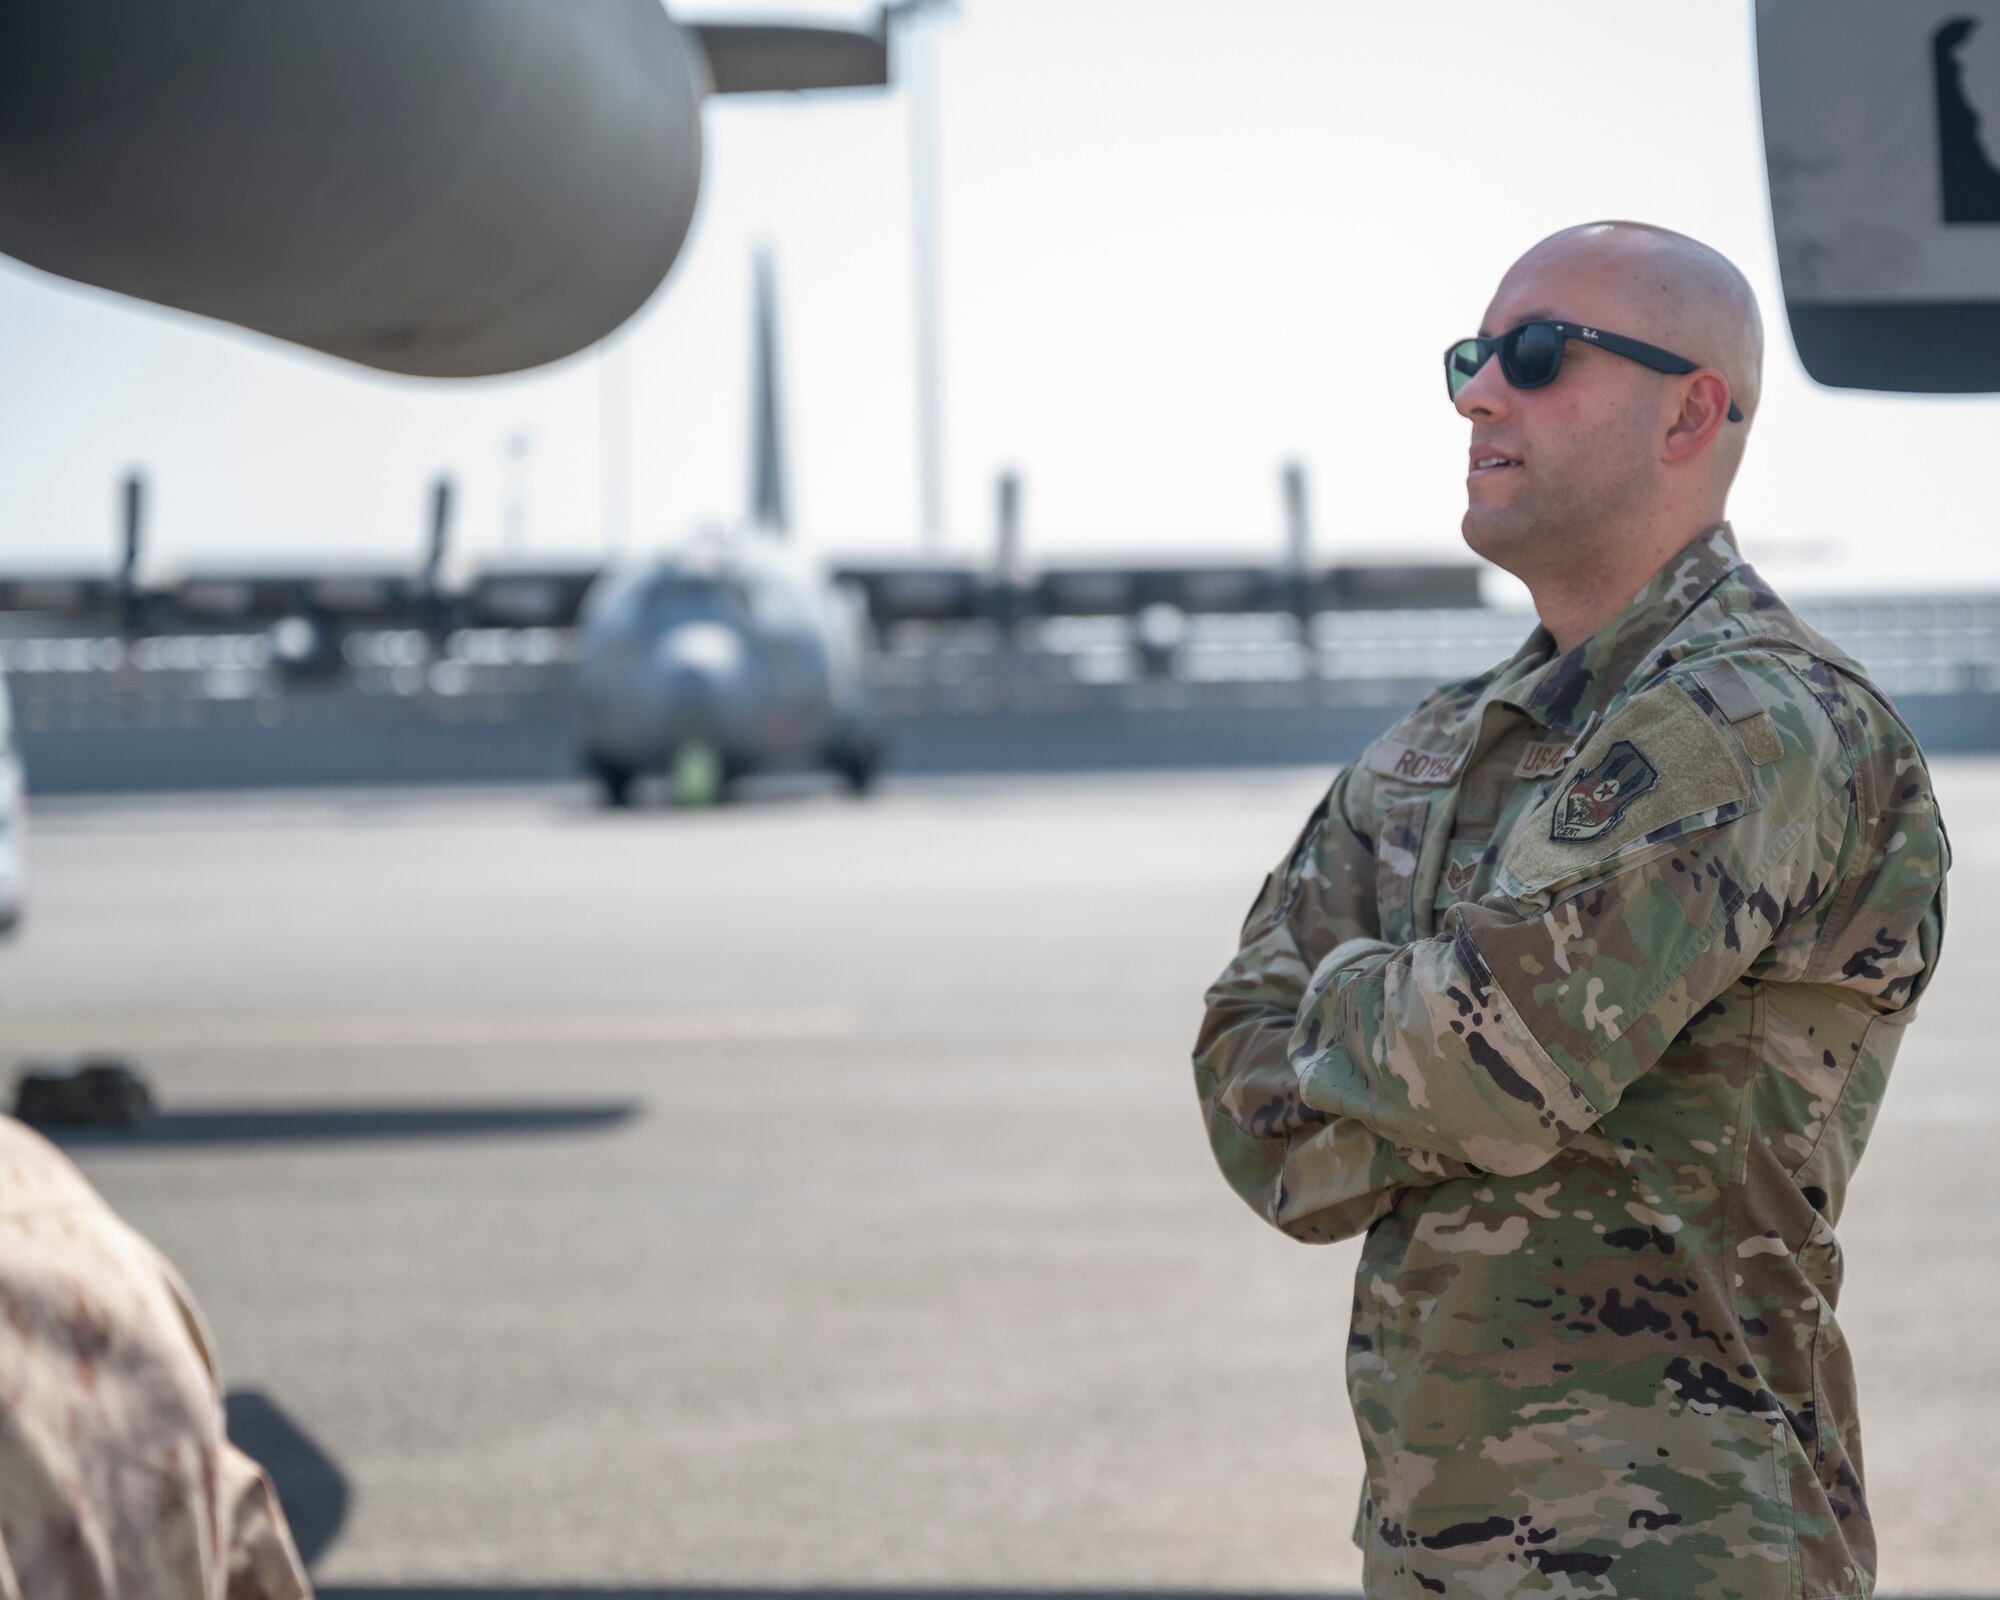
column 857, row 764
column 614, row 782
column 696, row 774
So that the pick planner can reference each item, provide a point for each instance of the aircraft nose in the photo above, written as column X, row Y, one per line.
column 699, row 652
column 694, row 666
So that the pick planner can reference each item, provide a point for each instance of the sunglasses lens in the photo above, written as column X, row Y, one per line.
column 1460, row 363
column 1531, row 355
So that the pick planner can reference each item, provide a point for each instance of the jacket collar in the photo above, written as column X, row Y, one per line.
column 1567, row 690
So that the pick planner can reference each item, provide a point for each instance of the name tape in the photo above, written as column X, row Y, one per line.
column 1411, row 765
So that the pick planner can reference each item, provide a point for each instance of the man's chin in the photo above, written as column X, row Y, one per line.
column 1492, row 535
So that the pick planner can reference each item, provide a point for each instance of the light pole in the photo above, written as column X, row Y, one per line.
column 614, row 443
column 918, row 47
column 516, row 448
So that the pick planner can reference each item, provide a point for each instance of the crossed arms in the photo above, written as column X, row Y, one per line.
column 1336, row 1070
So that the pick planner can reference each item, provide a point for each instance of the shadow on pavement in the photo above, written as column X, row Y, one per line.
column 306, row 1125
column 311, row 1488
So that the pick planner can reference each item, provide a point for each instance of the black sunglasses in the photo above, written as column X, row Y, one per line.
column 1532, row 354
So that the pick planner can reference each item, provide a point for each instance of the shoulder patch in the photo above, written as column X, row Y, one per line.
column 1660, row 767
column 1596, row 799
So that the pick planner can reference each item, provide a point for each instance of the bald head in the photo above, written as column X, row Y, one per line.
column 1660, row 286
column 1601, row 474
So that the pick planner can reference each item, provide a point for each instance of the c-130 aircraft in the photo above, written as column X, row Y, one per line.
column 717, row 660
column 728, row 655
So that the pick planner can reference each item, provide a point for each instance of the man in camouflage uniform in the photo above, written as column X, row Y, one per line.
column 115, row 1477
column 1579, row 993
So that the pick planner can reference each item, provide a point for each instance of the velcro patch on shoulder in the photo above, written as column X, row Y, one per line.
column 1743, row 708
column 1408, row 764
column 1730, row 690
column 1659, row 768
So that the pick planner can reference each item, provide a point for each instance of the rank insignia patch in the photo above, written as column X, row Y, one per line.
column 1597, row 797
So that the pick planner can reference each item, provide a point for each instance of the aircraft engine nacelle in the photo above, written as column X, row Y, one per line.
column 448, row 188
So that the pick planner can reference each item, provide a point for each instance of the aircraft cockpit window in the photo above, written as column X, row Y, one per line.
column 675, row 596
column 777, row 604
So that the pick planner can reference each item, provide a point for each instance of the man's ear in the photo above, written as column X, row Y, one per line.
column 1703, row 414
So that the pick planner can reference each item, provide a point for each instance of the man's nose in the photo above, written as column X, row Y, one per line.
column 1484, row 394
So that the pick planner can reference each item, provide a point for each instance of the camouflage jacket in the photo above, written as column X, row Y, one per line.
column 1579, row 993
column 115, row 1476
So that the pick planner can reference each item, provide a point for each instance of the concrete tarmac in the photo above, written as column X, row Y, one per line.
column 810, row 1193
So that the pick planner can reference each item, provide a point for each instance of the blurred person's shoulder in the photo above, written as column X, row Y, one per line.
column 37, row 1179
column 109, row 1363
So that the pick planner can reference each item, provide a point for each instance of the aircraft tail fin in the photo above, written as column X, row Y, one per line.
column 768, row 507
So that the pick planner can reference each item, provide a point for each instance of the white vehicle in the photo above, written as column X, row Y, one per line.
column 13, row 822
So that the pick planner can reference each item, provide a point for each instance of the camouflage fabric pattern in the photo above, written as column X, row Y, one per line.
column 1579, row 993
column 115, row 1476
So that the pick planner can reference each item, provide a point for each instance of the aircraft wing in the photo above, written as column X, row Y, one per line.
column 551, row 594
column 757, row 58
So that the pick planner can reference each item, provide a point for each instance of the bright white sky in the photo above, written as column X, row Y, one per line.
column 1180, row 242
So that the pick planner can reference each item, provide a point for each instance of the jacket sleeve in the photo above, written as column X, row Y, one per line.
column 259, row 1558
column 1680, row 854
column 1317, row 1175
